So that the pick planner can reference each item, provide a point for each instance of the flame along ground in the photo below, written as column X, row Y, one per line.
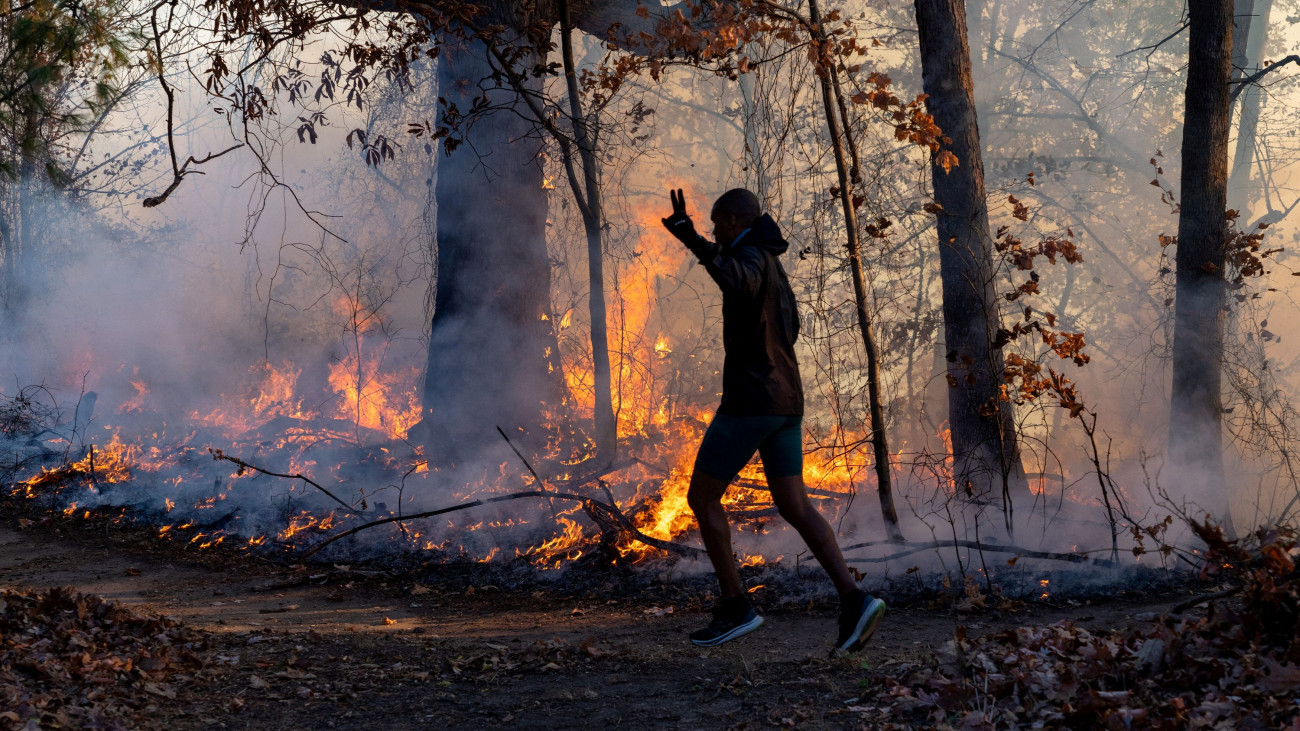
column 278, row 422
column 369, row 405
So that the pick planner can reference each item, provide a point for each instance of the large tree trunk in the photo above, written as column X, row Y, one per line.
column 489, row 348
column 1195, row 433
column 986, row 454
column 493, row 360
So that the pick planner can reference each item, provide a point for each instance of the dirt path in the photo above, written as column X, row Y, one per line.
column 333, row 647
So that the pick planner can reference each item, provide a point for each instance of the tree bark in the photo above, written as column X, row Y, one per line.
column 985, row 447
column 491, row 355
column 1195, row 418
column 489, row 346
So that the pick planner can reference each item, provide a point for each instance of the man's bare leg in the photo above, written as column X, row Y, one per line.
column 791, row 498
column 705, row 498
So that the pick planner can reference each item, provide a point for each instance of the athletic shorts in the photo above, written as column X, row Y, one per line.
column 731, row 441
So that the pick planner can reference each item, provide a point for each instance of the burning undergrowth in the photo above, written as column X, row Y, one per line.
column 277, row 465
column 272, row 474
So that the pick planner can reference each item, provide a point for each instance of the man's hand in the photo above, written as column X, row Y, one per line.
column 679, row 224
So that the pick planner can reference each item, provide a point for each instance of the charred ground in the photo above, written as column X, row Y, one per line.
column 270, row 644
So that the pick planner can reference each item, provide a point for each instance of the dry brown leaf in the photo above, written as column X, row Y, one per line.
column 1281, row 678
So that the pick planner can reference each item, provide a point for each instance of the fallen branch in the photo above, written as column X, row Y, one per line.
column 812, row 491
column 318, row 579
column 218, row 454
column 912, row 547
column 1196, row 600
column 608, row 510
column 610, row 514
column 747, row 484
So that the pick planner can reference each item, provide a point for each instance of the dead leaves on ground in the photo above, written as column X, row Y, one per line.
column 1238, row 667
column 1195, row 673
column 496, row 660
column 75, row 660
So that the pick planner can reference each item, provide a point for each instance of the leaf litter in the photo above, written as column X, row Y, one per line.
column 77, row 660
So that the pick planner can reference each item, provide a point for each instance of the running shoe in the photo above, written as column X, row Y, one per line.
column 730, row 620
column 860, row 614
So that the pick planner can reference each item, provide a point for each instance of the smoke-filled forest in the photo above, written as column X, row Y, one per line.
column 354, row 374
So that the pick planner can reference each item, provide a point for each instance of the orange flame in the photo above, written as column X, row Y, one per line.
column 385, row 402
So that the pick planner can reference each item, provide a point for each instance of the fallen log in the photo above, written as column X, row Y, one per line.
column 1198, row 600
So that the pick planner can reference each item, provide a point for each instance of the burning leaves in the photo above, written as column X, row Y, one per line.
column 73, row 660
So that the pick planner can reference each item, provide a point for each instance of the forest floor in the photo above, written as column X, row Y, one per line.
column 328, row 646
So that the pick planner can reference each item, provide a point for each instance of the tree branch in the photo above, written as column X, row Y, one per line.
column 1152, row 48
column 609, row 510
column 182, row 171
column 619, row 21
column 1245, row 80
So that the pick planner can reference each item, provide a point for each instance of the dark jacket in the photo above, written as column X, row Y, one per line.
column 759, row 323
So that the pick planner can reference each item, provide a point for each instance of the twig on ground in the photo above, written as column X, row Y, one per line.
column 913, row 547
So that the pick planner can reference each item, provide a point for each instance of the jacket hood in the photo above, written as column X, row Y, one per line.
column 766, row 234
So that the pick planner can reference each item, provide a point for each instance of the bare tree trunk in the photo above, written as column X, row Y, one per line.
column 985, row 447
column 28, row 190
column 1248, row 38
column 754, row 162
column 879, row 436
column 593, row 219
column 1196, row 403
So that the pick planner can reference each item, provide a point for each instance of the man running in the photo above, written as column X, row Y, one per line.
column 761, row 410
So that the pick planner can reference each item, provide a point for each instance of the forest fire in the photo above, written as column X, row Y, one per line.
column 370, row 414
column 349, row 400
column 447, row 300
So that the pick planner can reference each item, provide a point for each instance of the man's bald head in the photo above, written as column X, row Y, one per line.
column 740, row 204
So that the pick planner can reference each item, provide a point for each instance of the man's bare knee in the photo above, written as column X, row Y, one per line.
column 699, row 502
column 704, row 492
column 794, row 510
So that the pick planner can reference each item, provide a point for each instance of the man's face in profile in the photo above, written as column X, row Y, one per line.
column 726, row 227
